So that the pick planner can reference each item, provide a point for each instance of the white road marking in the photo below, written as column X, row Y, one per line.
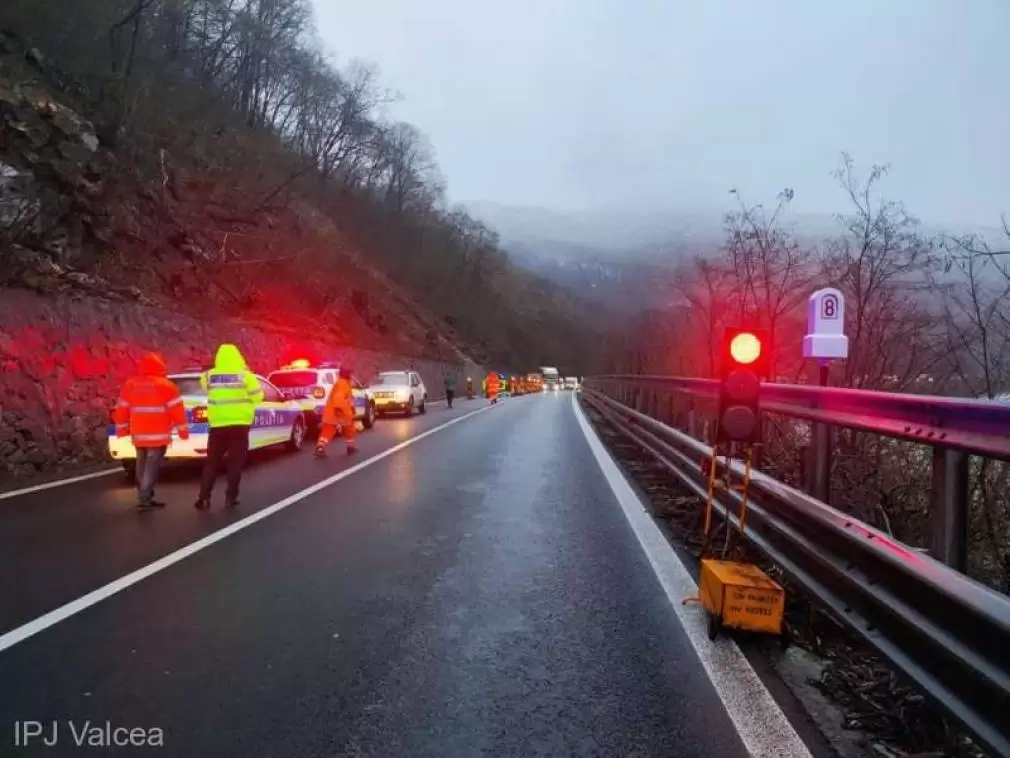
column 30, row 629
column 58, row 483
column 761, row 724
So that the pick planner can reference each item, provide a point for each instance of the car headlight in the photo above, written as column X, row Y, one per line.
column 402, row 396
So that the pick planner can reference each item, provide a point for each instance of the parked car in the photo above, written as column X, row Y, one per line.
column 399, row 392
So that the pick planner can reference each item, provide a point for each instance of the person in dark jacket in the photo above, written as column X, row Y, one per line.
column 450, row 389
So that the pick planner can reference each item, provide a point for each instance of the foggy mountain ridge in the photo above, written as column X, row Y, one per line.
column 625, row 261
column 607, row 236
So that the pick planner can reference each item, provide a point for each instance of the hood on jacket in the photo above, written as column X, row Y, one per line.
column 228, row 358
column 152, row 365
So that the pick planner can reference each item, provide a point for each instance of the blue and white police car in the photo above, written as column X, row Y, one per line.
column 278, row 421
column 309, row 385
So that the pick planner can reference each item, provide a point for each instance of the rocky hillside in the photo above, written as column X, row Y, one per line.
column 98, row 266
column 72, row 222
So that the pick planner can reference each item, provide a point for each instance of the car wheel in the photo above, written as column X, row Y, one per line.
column 130, row 469
column 421, row 409
column 297, row 435
column 410, row 407
column 369, row 416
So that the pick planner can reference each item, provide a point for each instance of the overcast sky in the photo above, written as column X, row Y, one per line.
column 666, row 104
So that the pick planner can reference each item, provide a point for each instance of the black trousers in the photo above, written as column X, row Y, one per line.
column 449, row 395
column 225, row 444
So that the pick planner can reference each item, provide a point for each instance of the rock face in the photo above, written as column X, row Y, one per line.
column 62, row 362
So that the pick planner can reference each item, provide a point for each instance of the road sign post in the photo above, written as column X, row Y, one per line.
column 825, row 341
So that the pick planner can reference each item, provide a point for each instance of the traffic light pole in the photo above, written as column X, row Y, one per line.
column 821, row 479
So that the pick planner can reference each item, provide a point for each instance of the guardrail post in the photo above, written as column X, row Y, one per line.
column 671, row 409
column 950, row 507
column 654, row 404
column 821, row 473
column 692, row 421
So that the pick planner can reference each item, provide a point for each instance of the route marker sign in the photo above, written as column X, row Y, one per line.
column 825, row 339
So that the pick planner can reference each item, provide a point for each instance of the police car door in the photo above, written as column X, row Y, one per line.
column 360, row 398
column 274, row 417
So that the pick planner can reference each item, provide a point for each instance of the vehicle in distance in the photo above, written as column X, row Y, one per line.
column 571, row 382
column 551, row 377
column 278, row 422
column 399, row 392
column 309, row 385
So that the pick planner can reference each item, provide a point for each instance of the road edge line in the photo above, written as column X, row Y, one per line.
column 763, row 727
column 51, row 618
column 8, row 494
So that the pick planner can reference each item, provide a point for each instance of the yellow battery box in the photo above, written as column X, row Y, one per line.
column 740, row 596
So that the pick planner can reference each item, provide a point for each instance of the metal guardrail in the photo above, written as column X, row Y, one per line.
column 947, row 633
column 954, row 428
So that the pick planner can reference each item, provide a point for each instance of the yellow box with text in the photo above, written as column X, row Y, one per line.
column 741, row 596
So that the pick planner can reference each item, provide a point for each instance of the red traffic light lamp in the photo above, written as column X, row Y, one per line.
column 745, row 347
column 744, row 365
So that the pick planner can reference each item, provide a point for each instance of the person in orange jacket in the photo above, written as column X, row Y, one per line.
column 338, row 412
column 148, row 408
column 492, row 386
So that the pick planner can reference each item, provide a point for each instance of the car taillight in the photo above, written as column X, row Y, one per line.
column 318, row 392
column 200, row 414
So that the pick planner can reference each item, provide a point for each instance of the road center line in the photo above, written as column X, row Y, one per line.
column 30, row 629
column 763, row 727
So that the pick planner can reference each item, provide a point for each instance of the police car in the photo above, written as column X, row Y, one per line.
column 278, row 422
column 309, row 386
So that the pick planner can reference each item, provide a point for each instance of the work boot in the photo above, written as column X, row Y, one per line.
column 351, row 450
column 232, row 502
column 320, row 451
column 202, row 504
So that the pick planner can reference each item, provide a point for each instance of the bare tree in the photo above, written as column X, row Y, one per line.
column 772, row 272
column 884, row 267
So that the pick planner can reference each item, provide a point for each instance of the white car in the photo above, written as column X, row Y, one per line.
column 278, row 422
column 309, row 386
column 399, row 391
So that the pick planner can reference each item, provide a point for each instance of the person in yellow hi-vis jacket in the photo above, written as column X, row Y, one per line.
column 233, row 392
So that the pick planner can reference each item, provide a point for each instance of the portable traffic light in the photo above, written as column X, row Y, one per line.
column 744, row 364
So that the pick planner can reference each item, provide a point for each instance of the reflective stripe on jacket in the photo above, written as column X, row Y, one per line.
column 149, row 406
column 233, row 392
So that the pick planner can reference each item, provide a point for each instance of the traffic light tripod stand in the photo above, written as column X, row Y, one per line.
column 724, row 480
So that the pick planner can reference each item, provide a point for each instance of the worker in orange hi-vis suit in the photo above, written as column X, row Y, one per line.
column 338, row 413
column 149, row 407
column 492, row 386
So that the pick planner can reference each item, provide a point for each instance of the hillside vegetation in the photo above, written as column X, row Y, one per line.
column 219, row 160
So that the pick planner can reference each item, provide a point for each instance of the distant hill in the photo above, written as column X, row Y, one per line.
column 620, row 260
column 619, row 233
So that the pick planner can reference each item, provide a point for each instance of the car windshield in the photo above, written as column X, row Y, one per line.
column 293, row 378
column 188, row 385
column 398, row 379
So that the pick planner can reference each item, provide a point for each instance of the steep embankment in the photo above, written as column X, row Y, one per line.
column 99, row 264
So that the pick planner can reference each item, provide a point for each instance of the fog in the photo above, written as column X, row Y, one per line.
column 664, row 105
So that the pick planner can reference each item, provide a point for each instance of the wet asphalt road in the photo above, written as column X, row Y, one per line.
column 477, row 593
